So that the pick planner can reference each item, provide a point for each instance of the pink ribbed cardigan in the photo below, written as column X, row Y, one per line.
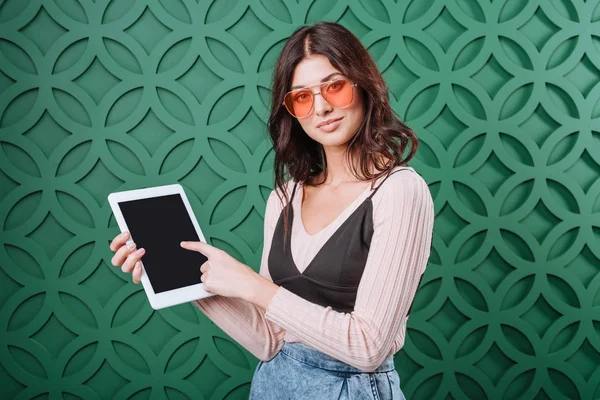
column 403, row 216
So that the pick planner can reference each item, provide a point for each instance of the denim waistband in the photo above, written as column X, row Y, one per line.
column 315, row 358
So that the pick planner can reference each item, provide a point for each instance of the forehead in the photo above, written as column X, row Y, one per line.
column 311, row 70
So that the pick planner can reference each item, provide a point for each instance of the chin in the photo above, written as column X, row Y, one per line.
column 332, row 139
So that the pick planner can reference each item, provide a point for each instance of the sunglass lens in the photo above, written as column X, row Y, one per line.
column 338, row 93
column 299, row 102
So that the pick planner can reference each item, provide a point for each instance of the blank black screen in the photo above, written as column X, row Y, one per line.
column 158, row 225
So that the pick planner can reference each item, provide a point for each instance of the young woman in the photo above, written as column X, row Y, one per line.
column 346, row 238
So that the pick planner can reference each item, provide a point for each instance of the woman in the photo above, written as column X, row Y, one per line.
column 346, row 240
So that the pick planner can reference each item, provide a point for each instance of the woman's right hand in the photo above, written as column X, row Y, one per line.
column 127, row 257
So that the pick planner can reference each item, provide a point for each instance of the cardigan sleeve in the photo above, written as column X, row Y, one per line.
column 242, row 320
column 403, row 215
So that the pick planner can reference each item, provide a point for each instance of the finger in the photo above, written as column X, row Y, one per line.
column 204, row 277
column 119, row 241
column 200, row 247
column 119, row 258
column 132, row 259
column 136, row 275
column 204, row 267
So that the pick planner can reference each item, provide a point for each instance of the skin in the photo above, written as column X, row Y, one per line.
column 323, row 203
column 222, row 274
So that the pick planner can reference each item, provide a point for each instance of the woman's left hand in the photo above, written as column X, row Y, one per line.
column 224, row 275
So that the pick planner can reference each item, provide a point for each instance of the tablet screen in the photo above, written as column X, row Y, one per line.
column 159, row 224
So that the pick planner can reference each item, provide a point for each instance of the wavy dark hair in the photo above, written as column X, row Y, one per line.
column 381, row 140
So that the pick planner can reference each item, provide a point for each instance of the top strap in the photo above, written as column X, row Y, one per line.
column 382, row 182
column 370, row 196
column 293, row 191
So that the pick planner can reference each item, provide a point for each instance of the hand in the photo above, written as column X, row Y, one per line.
column 127, row 257
column 225, row 276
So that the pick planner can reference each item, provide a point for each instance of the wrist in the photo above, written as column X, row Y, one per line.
column 261, row 291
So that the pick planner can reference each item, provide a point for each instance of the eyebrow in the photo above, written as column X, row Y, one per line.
column 328, row 77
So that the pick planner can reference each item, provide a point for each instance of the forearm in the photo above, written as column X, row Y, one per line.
column 245, row 323
column 243, row 317
column 344, row 336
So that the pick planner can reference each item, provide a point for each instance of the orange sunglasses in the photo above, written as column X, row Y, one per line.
column 338, row 93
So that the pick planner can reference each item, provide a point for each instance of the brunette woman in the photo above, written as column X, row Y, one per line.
column 347, row 232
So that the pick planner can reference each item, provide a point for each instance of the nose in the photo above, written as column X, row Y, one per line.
column 322, row 107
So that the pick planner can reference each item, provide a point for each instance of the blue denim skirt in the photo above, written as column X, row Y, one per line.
column 301, row 372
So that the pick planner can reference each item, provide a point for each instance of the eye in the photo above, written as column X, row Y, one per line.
column 336, row 86
column 302, row 97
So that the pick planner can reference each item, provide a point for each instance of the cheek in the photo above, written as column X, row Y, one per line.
column 358, row 113
column 358, row 103
column 307, row 125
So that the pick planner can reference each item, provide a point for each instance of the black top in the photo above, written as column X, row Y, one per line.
column 332, row 277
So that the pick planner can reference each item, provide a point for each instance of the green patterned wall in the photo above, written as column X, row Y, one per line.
column 100, row 96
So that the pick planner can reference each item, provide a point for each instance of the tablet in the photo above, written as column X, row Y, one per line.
column 159, row 219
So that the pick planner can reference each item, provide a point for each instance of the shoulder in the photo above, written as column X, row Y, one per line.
column 276, row 199
column 404, row 185
column 400, row 177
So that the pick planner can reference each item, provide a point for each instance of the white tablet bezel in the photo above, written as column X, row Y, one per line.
column 171, row 297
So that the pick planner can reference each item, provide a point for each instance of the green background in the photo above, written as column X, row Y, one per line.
column 101, row 96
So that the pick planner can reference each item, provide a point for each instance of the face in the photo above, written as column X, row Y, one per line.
column 327, row 124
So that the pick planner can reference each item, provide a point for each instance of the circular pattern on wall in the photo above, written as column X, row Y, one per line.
column 112, row 95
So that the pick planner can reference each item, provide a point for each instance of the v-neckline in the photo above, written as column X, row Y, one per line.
column 348, row 218
column 335, row 220
column 312, row 261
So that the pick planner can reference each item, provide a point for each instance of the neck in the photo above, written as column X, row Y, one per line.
column 338, row 170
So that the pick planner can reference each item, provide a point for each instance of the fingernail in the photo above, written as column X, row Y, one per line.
column 182, row 244
column 123, row 234
column 131, row 246
column 140, row 251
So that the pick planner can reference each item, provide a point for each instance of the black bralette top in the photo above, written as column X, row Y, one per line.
column 332, row 277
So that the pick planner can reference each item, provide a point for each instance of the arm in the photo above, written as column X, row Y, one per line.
column 242, row 320
column 403, row 225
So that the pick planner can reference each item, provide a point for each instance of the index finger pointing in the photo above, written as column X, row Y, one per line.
column 200, row 247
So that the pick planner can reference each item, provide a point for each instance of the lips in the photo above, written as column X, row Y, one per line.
column 330, row 124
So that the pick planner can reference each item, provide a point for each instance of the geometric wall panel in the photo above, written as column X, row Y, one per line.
column 114, row 95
